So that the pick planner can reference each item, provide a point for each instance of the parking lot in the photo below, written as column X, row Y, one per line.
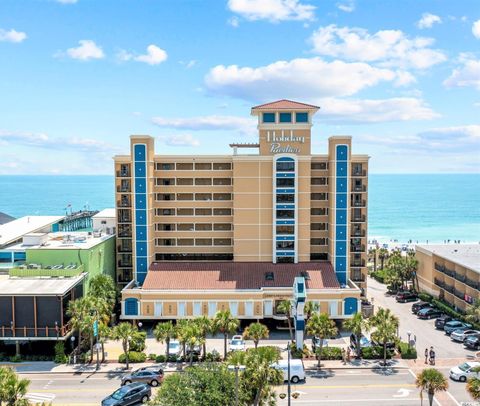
column 424, row 330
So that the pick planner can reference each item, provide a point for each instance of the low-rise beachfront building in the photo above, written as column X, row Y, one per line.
column 450, row 272
column 200, row 233
column 105, row 221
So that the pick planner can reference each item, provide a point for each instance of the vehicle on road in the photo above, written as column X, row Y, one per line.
column 441, row 321
column 453, row 325
column 464, row 371
column 416, row 307
column 462, row 333
column 297, row 371
column 152, row 378
column 174, row 348
column 237, row 343
column 404, row 297
column 129, row 395
column 429, row 313
column 472, row 342
column 156, row 368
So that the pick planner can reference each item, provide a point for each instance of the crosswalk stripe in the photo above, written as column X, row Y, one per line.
column 40, row 397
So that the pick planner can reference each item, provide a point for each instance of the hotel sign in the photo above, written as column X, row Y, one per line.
column 283, row 143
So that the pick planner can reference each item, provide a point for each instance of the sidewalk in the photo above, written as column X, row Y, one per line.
column 117, row 368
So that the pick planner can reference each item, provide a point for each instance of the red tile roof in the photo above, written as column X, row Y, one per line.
column 285, row 104
column 236, row 275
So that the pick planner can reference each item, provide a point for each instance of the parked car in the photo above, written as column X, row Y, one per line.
column 429, row 313
column 453, row 325
column 237, row 343
column 364, row 342
column 129, row 395
column 462, row 333
column 403, row 297
column 464, row 371
column 151, row 378
column 174, row 348
column 196, row 350
column 316, row 343
column 416, row 307
column 442, row 320
column 472, row 342
column 297, row 372
column 157, row 368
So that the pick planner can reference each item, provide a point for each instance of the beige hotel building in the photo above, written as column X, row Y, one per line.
column 198, row 234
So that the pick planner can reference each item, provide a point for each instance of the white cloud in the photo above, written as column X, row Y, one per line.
column 86, row 51
column 355, row 111
column 467, row 75
column 428, row 20
column 180, row 140
column 272, row 10
column 389, row 48
column 234, row 22
column 476, row 29
column 346, row 6
column 154, row 56
column 12, row 36
column 212, row 123
column 304, row 78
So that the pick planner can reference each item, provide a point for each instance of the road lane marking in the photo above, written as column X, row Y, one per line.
column 348, row 401
column 451, row 397
column 366, row 386
column 40, row 397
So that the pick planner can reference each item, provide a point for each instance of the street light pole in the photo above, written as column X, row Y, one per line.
column 408, row 335
column 289, row 391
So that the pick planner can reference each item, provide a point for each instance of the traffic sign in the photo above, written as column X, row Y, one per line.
column 95, row 328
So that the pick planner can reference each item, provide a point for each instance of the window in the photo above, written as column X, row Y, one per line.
column 285, row 214
column 322, row 166
column 197, row 308
column 319, row 256
column 192, row 257
column 166, row 167
column 185, row 242
column 184, row 181
column 203, row 241
column 318, row 226
column 222, row 196
column 285, row 230
column 165, row 196
column 200, row 166
column 249, row 309
column 203, row 196
column 268, row 117
column 285, row 117
column 319, row 181
column 285, row 260
column 318, row 241
column 234, row 308
column 222, row 227
column 165, row 241
column 203, row 212
column 165, row 212
column 285, row 182
column 165, row 227
column 165, row 182
column 222, row 181
column 285, row 245
column 184, row 212
column 283, row 166
column 203, row 181
column 318, row 211
column 212, row 309
column 182, row 309
column 222, row 166
column 301, row 117
column 185, row 227
column 184, row 196
column 222, row 241
column 285, row 198
column 184, row 166
column 222, row 212
column 203, row 227
column 319, row 196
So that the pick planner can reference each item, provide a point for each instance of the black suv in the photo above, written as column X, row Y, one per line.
column 440, row 322
column 403, row 297
column 416, row 307
column 472, row 342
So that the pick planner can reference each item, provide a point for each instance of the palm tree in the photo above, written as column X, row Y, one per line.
column 383, row 255
column 322, row 327
column 205, row 326
column 225, row 323
column 357, row 325
column 181, row 333
column 163, row 333
column 473, row 388
column 386, row 325
column 310, row 309
column 431, row 381
column 12, row 388
column 103, row 287
column 473, row 312
column 193, row 337
column 372, row 252
column 255, row 332
column 78, row 311
column 104, row 333
column 124, row 332
column 285, row 307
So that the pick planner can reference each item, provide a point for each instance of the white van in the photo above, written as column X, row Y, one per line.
column 297, row 372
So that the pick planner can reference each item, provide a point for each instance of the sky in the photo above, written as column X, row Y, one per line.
column 77, row 77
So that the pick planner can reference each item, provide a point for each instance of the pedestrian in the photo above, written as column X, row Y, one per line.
column 343, row 356
column 432, row 356
column 348, row 354
column 426, row 355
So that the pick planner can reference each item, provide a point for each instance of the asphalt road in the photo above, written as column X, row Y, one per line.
column 424, row 330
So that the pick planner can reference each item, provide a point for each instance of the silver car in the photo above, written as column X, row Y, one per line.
column 152, row 378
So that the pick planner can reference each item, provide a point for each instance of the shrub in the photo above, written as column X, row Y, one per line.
column 407, row 352
column 375, row 352
column 60, row 357
column 137, row 343
column 213, row 356
column 425, row 297
column 133, row 357
column 15, row 358
column 446, row 309
column 160, row 358
column 331, row 353
column 379, row 276
column 152, row 357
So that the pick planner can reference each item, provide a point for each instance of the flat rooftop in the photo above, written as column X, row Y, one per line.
column 42, row 285
column 72, row 240
column 106, row 213
column 237, row 275
column 467, row 255
column 16, row 229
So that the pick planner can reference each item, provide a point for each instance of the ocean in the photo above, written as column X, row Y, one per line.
column 421, row 208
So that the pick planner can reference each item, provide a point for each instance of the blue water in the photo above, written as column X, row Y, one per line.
column 401, row 207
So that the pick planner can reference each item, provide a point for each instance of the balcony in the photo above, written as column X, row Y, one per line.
column 361, row 188
column 460, row 278
column 359, row 219
column 357, row 263
column 124, row 203
column 357, row 233
column 359, row 203
column 124, row 264
column 124, row 247
column 357, row 248
column 123, row 189
column 439, row 283
column 125, row 234
column 445, row 270
column 359, row 172
column 123, row 174
column 448, row 288
column 357, row 277
column 472, row 283
column 459, row 294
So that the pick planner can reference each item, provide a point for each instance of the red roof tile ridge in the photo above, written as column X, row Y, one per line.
column 288, row 104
